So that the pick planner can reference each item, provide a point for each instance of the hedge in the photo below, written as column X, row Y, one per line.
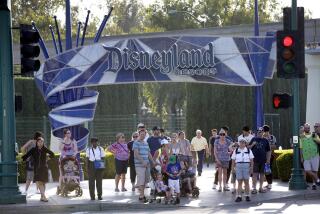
column 109, row 171
column 284, row 164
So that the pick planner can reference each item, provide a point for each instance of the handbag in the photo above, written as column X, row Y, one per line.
column 98, row 164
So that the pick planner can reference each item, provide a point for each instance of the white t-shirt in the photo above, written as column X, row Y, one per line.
column 243, row 155
column 97, row 155
column 246, row 138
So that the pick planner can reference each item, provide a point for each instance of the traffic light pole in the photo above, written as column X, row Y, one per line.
column 9, row 190
column 296, row 181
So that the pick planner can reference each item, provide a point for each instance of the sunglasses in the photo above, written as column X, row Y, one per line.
column 135, row 136
column 222, row 134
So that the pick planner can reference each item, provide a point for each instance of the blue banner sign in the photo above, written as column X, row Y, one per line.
column 62, row 80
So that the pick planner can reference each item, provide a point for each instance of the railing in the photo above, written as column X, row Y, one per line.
column 105, row 127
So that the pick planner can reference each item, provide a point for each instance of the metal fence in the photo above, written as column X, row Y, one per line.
column 105, row 127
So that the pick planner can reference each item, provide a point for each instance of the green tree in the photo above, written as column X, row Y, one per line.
column 39, row 11
column 126, row 17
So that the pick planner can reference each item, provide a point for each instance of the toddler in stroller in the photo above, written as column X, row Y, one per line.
column 160, row 189
column 70, row 177
column 188, row 181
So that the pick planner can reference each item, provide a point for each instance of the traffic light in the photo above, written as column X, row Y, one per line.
column 29, row 50
column 281, row 100
column 290, row 55
column 290, row 47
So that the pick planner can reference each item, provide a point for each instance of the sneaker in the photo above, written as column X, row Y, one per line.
column 214, row 186
column 314, row 187
column 238, row 199
column 248, row 198
column 225, row 189
column 123, row 190
column 318, row 182
column 100, row 198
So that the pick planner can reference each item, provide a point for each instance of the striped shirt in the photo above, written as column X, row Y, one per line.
column 143, row 150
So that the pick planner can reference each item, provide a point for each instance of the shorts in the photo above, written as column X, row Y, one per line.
column 143, row 175
column 258, row 167
column 174, row 185
column 312, row 164
column 29, row 175
column 224, row 164
column 121, row 166
column 243, row 171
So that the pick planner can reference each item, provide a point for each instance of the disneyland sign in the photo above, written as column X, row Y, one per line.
column 183, row 62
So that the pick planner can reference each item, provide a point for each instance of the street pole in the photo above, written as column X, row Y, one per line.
column 9, row 190
column 296, row 181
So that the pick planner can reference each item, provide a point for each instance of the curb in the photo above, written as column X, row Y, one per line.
column 110, row 206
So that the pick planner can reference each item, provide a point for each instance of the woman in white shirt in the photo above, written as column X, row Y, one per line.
column 242, row 163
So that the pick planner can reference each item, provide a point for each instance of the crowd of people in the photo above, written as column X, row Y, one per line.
column 169, row 165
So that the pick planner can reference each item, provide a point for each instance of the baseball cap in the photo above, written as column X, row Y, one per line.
column 260, row 129
column 140, row 125
column 155, row 128
column 164, row 141
column 266, row 128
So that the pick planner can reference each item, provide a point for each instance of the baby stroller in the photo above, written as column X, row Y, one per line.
column 154, row 194
column 70, row 177
column 186, row 177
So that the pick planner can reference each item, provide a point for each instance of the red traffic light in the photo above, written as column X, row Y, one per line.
column 287, row 41
column 276, row 101
column 281, row 100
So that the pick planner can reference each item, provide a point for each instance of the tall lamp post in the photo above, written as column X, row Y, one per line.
column 9, row 190
column 171, row 12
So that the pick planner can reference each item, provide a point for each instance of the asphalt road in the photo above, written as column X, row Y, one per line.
column 290, row 207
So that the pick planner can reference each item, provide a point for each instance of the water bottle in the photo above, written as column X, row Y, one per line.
column 280, row 148
column 267, row 169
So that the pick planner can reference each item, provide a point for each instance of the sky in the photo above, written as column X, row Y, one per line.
column 98, row 7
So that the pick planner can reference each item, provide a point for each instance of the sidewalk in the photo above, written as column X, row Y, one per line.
column 129, row 200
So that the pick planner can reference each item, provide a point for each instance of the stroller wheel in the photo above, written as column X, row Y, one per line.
column 79, row 192
column 58, row 190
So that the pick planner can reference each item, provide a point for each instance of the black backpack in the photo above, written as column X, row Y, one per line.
column 247, row 152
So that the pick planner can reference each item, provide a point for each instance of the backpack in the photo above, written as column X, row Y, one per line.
column 247, row 152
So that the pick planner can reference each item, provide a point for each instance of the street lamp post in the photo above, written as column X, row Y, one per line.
column 9, row 190
column 203, row 23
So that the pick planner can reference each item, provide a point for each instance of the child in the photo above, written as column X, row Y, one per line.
column 174, row 171
column 161, row 188
column 233, row 147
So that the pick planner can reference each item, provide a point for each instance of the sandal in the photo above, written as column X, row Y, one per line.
column 44, row 199
column 124, row 190
column 262, row 190
column 254, row 191
column 116, row 190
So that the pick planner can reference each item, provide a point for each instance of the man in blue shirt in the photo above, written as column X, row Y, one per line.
column 261, row 151
column 154, row 142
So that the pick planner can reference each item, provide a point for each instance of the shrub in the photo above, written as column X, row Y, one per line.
column 284, row 165
column 53, row 164
column 276, row 154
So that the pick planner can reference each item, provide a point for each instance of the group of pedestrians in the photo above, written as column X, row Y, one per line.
column 240, row 158
column 174, row 154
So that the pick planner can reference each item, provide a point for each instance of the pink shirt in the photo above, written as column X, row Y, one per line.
column 120, row 151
